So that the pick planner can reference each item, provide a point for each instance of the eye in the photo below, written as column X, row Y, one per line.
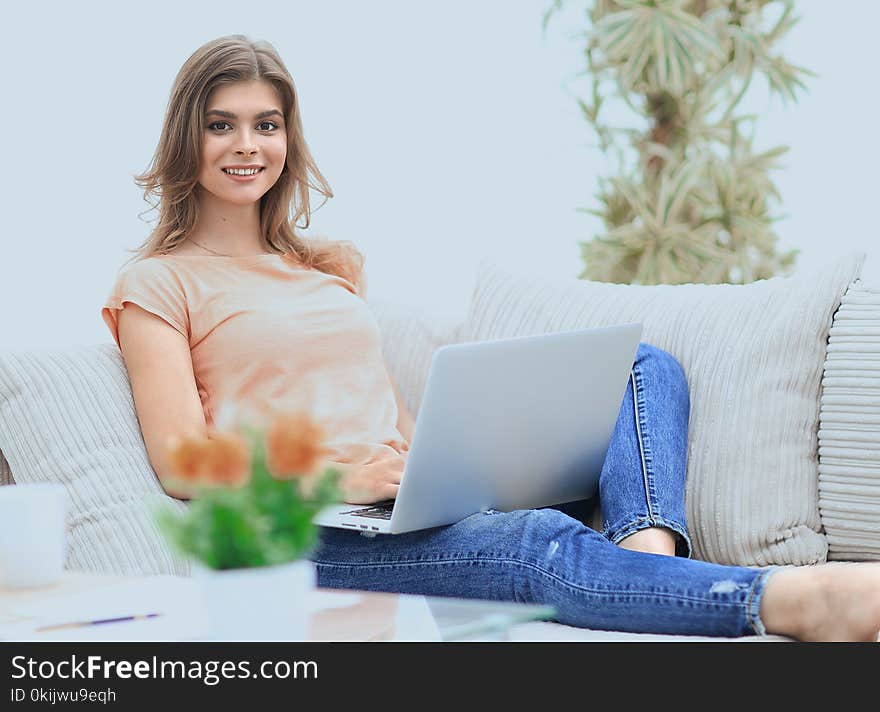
column 225, row 123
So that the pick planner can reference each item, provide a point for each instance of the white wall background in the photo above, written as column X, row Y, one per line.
column 448, row 132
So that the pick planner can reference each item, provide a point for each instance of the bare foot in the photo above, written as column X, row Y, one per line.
column 838, row 601
column 652, row 540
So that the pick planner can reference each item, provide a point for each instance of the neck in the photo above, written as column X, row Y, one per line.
column 232, row 230
column 209, row 248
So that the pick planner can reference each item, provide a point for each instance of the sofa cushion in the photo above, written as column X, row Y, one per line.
column 67, row 415
column 753, row 355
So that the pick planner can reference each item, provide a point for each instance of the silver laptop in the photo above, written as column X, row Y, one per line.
column 508, row 424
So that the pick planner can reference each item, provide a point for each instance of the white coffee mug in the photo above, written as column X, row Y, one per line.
column 33, row 542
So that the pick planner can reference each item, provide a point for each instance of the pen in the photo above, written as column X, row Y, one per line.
column 80, row 624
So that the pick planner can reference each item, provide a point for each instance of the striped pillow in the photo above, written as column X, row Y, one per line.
column 849, row 440
column 67, row 415
column 753, row 355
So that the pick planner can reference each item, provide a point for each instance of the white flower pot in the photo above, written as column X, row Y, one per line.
column 261, row 603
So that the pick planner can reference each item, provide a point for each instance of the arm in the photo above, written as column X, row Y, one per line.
column 166, row 397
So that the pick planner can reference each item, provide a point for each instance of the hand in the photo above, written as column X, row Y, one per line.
column 373, row 482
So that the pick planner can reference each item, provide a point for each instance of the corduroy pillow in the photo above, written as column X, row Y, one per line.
column 67, row 415
column 849, row 439
column 753, row 355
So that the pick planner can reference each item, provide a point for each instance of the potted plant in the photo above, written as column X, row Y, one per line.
column 248, row 528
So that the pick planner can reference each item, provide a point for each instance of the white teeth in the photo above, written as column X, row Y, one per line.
column 242, row 172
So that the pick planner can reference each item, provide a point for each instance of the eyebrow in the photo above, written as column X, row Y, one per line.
column 230, row 115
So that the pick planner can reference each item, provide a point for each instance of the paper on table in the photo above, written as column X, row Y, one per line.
column 178, row 599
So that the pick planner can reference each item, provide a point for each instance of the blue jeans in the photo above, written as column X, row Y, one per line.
column 550, row 555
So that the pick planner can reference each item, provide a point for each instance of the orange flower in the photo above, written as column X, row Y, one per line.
column 221, row 458
column 294, row 446
column 185, row 458
column 230, row 459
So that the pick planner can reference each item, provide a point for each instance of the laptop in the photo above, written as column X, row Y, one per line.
column 515, row 423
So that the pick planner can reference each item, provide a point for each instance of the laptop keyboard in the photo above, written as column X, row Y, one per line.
column 378, row 511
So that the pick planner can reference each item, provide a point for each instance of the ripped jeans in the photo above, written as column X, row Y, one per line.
column 550, row 555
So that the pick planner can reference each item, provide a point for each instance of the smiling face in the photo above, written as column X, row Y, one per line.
column 243, row 125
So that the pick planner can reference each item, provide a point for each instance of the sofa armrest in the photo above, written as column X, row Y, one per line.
column 849, row 428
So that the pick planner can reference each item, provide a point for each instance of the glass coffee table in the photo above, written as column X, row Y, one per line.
column 334, row 615
column 363, row 615
column 459, row 619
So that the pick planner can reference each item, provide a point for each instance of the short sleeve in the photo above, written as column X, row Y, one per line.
column 152, row 286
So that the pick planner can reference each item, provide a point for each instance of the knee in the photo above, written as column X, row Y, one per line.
column 666, row 369
column 654, row 357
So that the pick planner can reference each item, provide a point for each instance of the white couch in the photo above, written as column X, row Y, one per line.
column 784, row 378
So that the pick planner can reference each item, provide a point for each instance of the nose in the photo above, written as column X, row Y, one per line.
column 248, row 146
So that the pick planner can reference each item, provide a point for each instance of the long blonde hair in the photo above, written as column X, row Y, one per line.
column 173, row 174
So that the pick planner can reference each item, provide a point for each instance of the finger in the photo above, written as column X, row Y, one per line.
column 389, row 491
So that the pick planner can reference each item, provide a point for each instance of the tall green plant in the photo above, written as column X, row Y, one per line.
column 691, row 200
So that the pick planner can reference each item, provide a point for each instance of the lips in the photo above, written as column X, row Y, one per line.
column 243, row 178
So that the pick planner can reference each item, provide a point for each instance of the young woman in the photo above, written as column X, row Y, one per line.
column 224, row 302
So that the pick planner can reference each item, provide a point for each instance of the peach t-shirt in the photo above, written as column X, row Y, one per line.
column 265, row 330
